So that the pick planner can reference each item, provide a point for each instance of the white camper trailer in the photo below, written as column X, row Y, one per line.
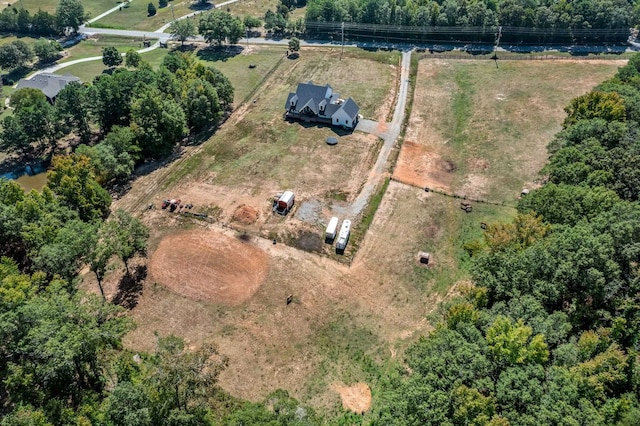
column 343, row 236
column 332, row 229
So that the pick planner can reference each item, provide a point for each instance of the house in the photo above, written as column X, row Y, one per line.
column 47, row 83
column 312, row 103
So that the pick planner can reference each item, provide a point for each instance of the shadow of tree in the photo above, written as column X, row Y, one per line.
column 219, row 53
column 130, row 287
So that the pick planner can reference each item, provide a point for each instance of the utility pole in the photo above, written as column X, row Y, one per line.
column 247, row 33
column 172, row 14
column 342, row 51
column 495, row 49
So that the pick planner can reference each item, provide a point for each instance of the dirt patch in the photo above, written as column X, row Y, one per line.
column 245, row 214
column 356, row 398
column 421, row 166
column 207, row 265
column 308, row 241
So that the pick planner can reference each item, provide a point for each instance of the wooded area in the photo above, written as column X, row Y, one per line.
column 549, row 332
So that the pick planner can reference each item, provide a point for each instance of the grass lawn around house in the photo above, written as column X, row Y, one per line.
column 136, row 17
column 94, row 45
column 92, row 7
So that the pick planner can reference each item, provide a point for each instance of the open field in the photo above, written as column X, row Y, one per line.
column 92, row 7
column 87, row 71
column 482, row 132
column 93, row 46
column 347, row 324
column 135, row 17
column 258, row 8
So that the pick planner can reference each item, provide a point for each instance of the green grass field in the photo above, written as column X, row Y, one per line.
column 92, row 7
column 94, row 46
column 135, row 17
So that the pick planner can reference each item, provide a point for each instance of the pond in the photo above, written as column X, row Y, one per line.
column 32, row 176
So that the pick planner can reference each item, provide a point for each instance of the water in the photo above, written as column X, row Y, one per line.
column 30, row 177
column 36, row 182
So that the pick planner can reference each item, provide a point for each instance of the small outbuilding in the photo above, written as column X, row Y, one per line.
column 423, row 257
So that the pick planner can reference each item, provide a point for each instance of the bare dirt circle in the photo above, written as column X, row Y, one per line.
column 356, row 398
column 208, row 265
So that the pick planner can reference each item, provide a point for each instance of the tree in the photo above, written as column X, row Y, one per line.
column 183, row 29
column 46, row 50
column 34, row 120
column 158, row 122
column 185, row 379
column 151, row 9
column 132, row 59
column 127, row 235
column 294, row 44
column 71, row 178
column 220, row 26
column 608, row 106
column 57, row 347
column 98, row 259
column 70, row 14
column 16, row 54
column 201, row 104
column 128, row 405
column 162, row 3
column 69, row 250
column 512, row 343
column 111, row 57
column 72, row 109
column 251, row 22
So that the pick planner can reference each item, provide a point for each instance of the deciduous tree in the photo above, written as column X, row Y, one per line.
column 219, row 26
column 183, row 30
column 111, row 57
column 70, row 14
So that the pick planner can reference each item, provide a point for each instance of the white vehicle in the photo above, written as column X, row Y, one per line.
column 332, row 229
column 343, row 236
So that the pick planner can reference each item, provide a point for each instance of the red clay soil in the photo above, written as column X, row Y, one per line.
column 206, row 265
column 420, row 166
column 245, row 214
column 356, row 398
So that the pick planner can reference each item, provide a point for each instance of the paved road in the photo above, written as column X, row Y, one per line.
column 389, row 132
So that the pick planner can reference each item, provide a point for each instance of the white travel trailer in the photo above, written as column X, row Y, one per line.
column 343, row 236
column 332, row 229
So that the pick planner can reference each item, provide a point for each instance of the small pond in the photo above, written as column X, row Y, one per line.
column 32, row 176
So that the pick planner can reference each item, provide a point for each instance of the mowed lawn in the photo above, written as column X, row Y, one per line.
column 93, row 46
column 92, row 7
column 136, row 17
column 482, row 131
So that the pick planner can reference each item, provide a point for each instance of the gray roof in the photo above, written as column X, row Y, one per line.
column 350, row 107
column 49, row 84
column 312, row 96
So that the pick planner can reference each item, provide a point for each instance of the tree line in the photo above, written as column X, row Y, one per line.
column 539, row 21
column 69, row 14
column 138, row 113
column 550, row 331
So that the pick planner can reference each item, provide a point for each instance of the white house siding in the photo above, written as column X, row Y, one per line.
column 341, row 118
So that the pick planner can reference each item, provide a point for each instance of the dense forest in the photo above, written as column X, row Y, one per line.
column 550, row 332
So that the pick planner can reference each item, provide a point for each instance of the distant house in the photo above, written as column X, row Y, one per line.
column 312, row 103
column 47, row 83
